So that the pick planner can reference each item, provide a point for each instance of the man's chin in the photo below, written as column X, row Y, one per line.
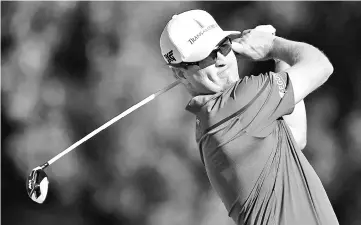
column 216, row 88
column 228, row 81
column 222, row 87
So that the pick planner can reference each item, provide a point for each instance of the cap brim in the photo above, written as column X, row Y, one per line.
column 204, row 47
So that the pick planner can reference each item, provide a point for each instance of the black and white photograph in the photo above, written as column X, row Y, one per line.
column 181, row 112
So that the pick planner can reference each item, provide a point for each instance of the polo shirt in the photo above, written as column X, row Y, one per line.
column 251, row 157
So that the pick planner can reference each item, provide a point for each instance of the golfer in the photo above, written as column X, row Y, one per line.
column 251, row 129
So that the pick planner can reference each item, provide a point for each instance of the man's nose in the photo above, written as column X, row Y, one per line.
column 221, row 60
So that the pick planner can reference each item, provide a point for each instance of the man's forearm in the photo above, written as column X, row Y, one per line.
column 293, row 52
column 309, row 67
column 301, row 55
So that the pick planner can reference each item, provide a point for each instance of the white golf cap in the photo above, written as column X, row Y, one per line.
column 190, row 37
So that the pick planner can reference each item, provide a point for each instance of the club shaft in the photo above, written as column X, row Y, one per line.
column 110, row 122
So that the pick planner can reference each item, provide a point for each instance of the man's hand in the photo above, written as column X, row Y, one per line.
column 255, row 44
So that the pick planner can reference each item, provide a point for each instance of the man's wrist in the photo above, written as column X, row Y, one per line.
column 274, row 49
column 285, row 50
column 270, row 54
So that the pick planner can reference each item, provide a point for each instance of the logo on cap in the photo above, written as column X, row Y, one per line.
column 195, row 37
column 200, row 25
column 169, row 57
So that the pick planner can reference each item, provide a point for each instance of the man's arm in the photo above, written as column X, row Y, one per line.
column 309, row 67
column 296, row 121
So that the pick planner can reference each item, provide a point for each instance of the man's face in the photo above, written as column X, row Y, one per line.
column 216, row 77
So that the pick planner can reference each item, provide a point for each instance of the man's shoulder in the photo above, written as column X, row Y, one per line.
column 249, row 87
column 240, row 92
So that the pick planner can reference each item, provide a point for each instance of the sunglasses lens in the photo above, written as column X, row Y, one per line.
column 210, row 60
column 224, row 48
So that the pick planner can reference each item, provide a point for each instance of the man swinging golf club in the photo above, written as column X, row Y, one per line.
column 251, row 129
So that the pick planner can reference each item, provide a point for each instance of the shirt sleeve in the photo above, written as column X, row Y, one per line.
column 270, row 96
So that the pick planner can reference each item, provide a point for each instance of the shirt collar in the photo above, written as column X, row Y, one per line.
column 197, row 102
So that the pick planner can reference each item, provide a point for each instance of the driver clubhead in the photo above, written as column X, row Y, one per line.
column 37, row 185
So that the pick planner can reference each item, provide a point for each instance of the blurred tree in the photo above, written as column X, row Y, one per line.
column 67, row 67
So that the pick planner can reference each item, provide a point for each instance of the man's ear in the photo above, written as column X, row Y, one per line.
column 174, row 73
column 179, row 73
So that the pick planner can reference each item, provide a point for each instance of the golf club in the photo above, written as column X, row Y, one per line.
column 37, row 182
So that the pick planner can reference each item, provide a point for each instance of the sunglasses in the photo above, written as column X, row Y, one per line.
column 224, row 47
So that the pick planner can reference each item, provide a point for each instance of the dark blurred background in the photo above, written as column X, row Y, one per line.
column 68, row 67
